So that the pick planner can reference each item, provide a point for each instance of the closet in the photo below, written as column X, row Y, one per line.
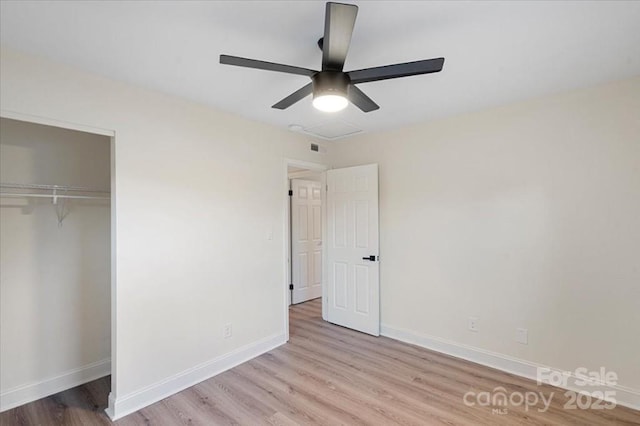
column 55, row 260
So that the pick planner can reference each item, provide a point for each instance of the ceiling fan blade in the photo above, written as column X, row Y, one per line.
column 362, row 101
column 263, row 65
column 396, row 71
column 339, row 21
column 294, row 97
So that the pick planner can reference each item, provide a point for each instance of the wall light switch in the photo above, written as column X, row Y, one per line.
column 522, row 336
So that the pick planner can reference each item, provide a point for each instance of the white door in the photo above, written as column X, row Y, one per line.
column 353, row 277
column 306, row 233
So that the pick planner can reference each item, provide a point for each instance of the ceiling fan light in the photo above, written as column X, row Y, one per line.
column 330, row 90
column 330, row 102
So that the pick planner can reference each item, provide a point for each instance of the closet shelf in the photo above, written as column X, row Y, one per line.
column 52, row 191
column 56, row 192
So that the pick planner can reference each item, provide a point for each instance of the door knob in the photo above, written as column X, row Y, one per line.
column 371, row 258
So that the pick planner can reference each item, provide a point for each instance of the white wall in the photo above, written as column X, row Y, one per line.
column 197, row 193
column 54, row 281
column 527, row 216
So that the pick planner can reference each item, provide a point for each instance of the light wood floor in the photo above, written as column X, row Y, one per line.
column 326, row 375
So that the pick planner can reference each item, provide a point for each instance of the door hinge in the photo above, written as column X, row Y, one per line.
column 290, row 193
column 290, row 286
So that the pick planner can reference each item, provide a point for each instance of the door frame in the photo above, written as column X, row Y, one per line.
column 317, row 167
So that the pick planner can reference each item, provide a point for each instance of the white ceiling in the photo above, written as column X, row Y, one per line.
column 496, row 52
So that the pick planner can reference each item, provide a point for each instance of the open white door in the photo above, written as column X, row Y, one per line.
column 353, row 279
column 306, row 240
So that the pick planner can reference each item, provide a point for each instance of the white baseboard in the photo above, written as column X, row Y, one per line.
column 33, row 391
column 122, row 406
column 625, row 396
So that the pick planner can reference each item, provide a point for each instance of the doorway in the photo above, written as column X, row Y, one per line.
column 305, row 210
column 350, row 244
column 305, row 219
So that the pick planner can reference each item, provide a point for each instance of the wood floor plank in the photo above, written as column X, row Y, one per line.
column 327, row 375
column 284, row 397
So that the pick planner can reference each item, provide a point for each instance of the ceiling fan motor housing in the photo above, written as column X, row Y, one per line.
column 330, row 83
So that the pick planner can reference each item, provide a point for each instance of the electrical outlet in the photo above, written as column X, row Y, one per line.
column 473, row 324
column 522, row 336
column 227, row 331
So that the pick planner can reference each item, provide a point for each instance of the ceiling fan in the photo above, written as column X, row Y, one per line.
column 333, row 88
